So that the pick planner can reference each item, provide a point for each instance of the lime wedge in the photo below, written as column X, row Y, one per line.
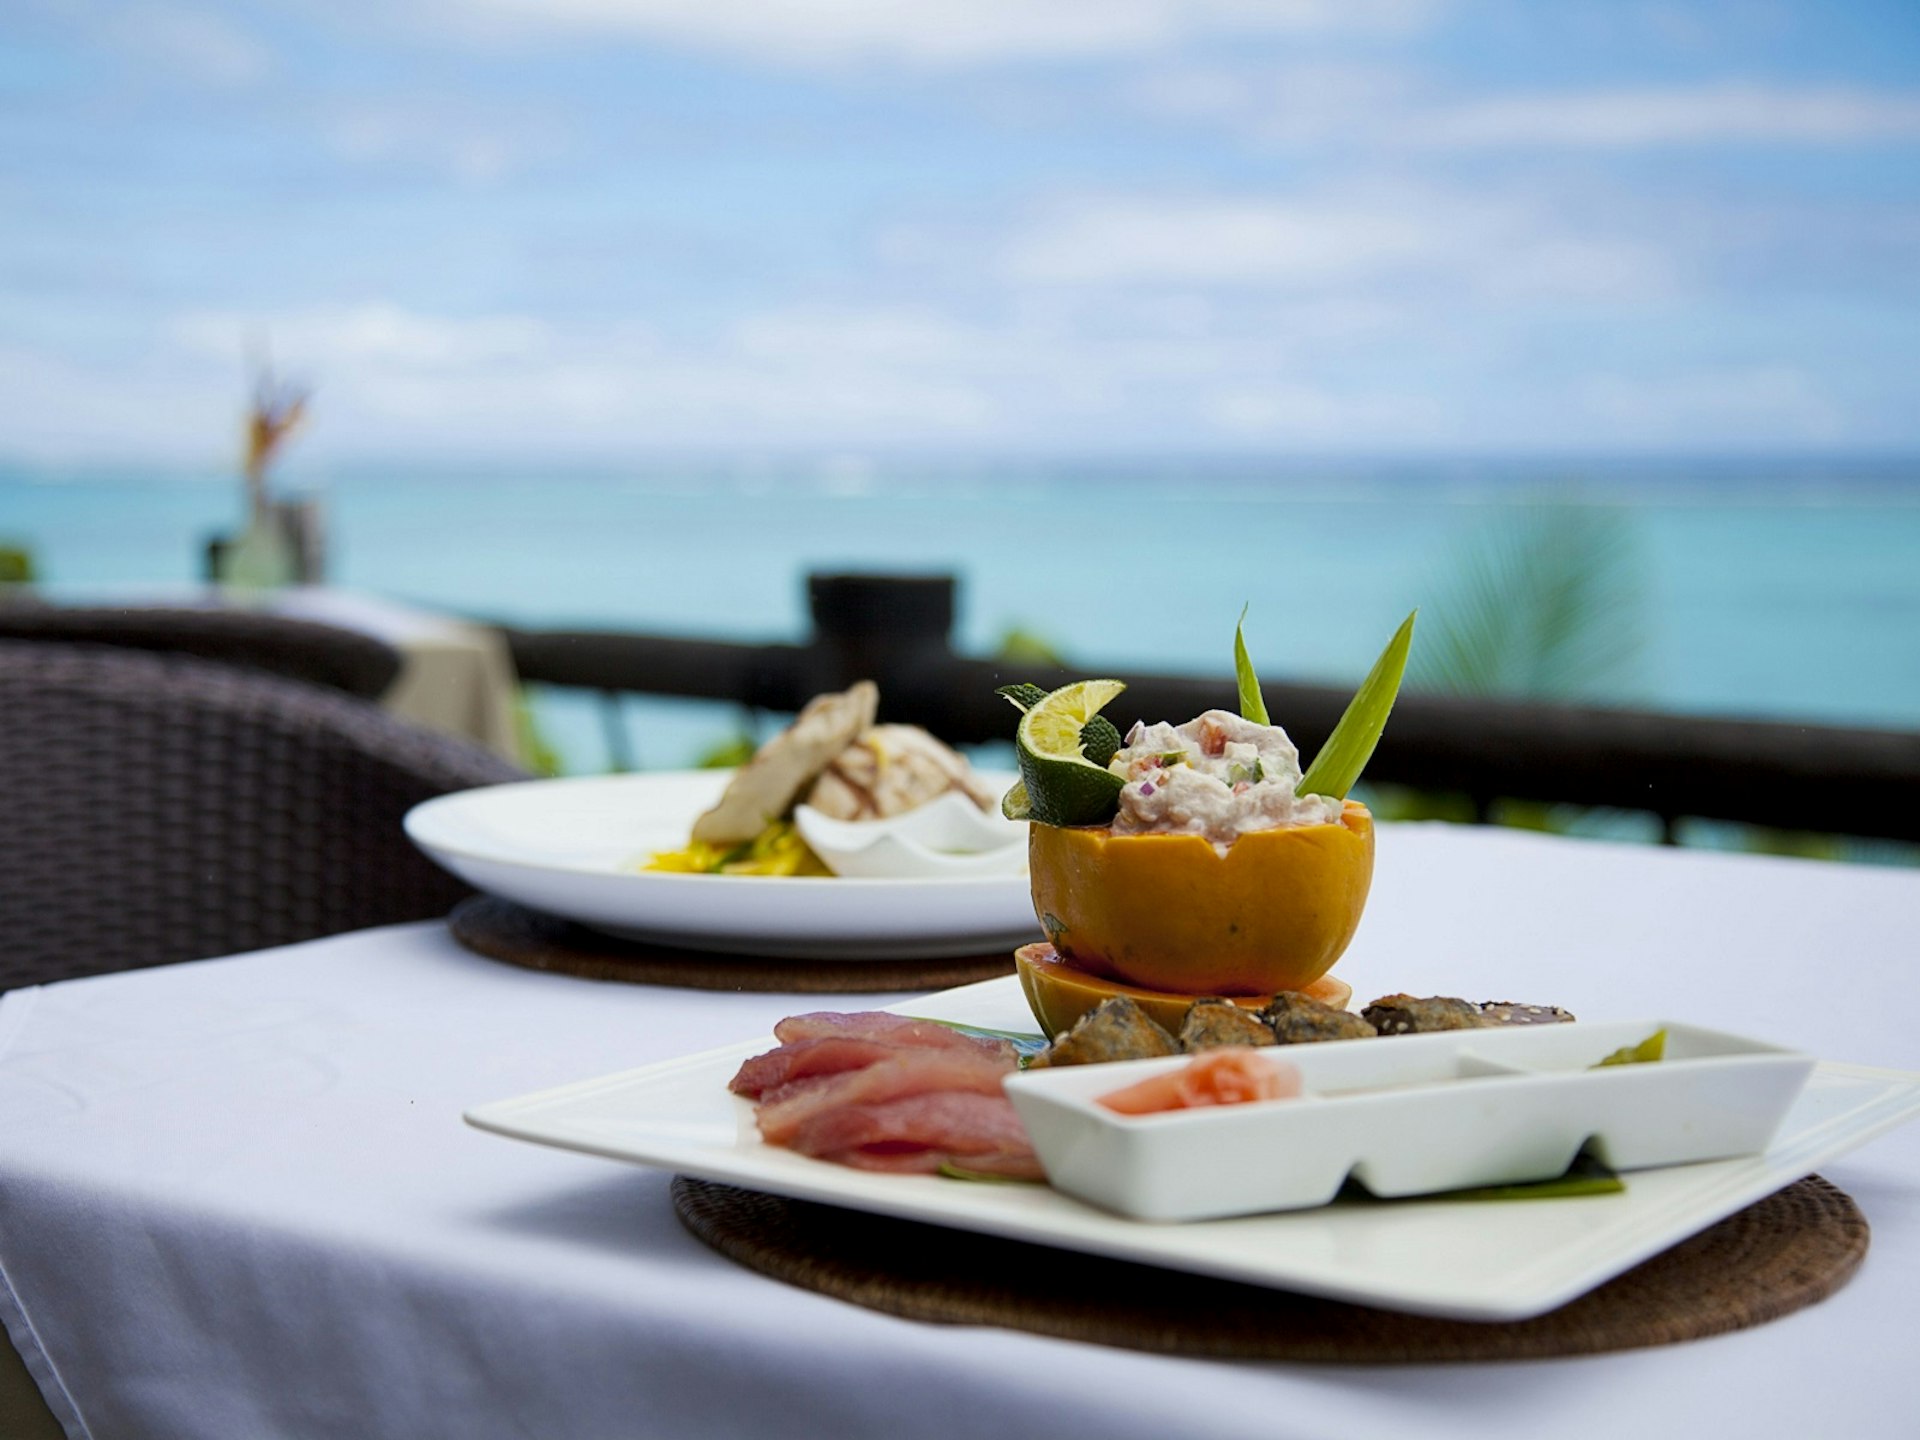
column 1014, row 804
column 1065, row 787
column 1099, row 739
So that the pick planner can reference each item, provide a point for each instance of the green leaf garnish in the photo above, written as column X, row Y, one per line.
column 1654, row 1047
column 980, row 1177
column 1252, row 707
column 1338, row 765
column 1586, row 1176
column 1026, row 1042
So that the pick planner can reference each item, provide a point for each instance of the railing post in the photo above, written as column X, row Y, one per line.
column 895, row 630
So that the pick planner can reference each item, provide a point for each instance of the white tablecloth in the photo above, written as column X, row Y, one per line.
column 455, row 677
column 237, row 1199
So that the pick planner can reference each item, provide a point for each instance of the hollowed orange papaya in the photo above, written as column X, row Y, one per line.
column 1171, row 913
column 1058, row 994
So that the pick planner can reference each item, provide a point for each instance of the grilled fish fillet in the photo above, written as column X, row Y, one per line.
column 767, row 785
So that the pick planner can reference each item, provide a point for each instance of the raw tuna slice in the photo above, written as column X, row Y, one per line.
column 904, row 1072
column 805, row 1059
column 884, row 1026
column 920, row 1133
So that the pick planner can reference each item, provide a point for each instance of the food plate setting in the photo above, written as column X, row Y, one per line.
column 1196, row 883
column 576, row 847
column 1451, row 1257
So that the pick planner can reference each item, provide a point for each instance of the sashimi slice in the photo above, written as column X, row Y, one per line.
column 805, row 1059
column 920, row 1133
column 885, row 1026
column 902, row 1073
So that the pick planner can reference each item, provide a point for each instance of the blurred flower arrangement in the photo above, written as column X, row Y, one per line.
column 276, row 412
column 280, row 541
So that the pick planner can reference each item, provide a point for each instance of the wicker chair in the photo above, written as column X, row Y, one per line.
column 322, row 654
column 160, row 808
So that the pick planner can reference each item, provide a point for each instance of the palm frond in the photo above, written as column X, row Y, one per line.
column 1546, row 602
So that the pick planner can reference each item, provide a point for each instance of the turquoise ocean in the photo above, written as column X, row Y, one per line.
column 1780, row 589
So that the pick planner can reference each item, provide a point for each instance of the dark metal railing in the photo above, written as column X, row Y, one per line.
column 897, row 631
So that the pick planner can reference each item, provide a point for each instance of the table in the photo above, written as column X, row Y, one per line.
column 237, row 1199
column 455, row 677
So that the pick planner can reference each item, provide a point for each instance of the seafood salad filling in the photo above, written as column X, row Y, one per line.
column 1218, row 776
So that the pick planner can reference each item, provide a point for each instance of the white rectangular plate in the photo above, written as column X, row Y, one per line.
column 1470, row 1260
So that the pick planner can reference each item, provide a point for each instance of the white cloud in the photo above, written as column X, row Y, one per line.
column 1396, row 108
column 1296, row 414
column 1720, row 114
column 1273, row 371
column 388, row 378
column 478, row 147
column 1287, row 104
column 1155, row 240
column 195, row 45
column 944, row 32
column 58, row 409
column 376, row 333
column 1754, row 405
column 386, row 375
column 1353, row 248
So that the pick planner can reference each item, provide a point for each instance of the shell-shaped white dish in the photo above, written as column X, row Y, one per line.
column 948, row 836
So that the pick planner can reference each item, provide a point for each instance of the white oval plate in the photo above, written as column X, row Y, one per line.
column 572, row 848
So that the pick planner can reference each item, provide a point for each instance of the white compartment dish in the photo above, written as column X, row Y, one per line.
column 1413, row 1115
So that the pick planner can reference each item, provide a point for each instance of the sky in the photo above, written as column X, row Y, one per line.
column 604, row 228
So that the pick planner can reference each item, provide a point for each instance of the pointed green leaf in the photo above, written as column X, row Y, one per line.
column 1338, row 765
column 1252, row 707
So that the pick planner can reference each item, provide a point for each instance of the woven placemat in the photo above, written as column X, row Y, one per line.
column 502, row 930
column 1788, row 1251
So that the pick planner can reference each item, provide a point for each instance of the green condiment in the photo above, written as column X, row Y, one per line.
column 1654, row 1047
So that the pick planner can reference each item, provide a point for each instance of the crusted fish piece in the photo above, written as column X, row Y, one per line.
column 891, row 769
column 1115, row 1029
column 1297, row 1019
column 767, row 785
column 1212, row 1023
column 1512, row 1012
column 1414, row 1015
